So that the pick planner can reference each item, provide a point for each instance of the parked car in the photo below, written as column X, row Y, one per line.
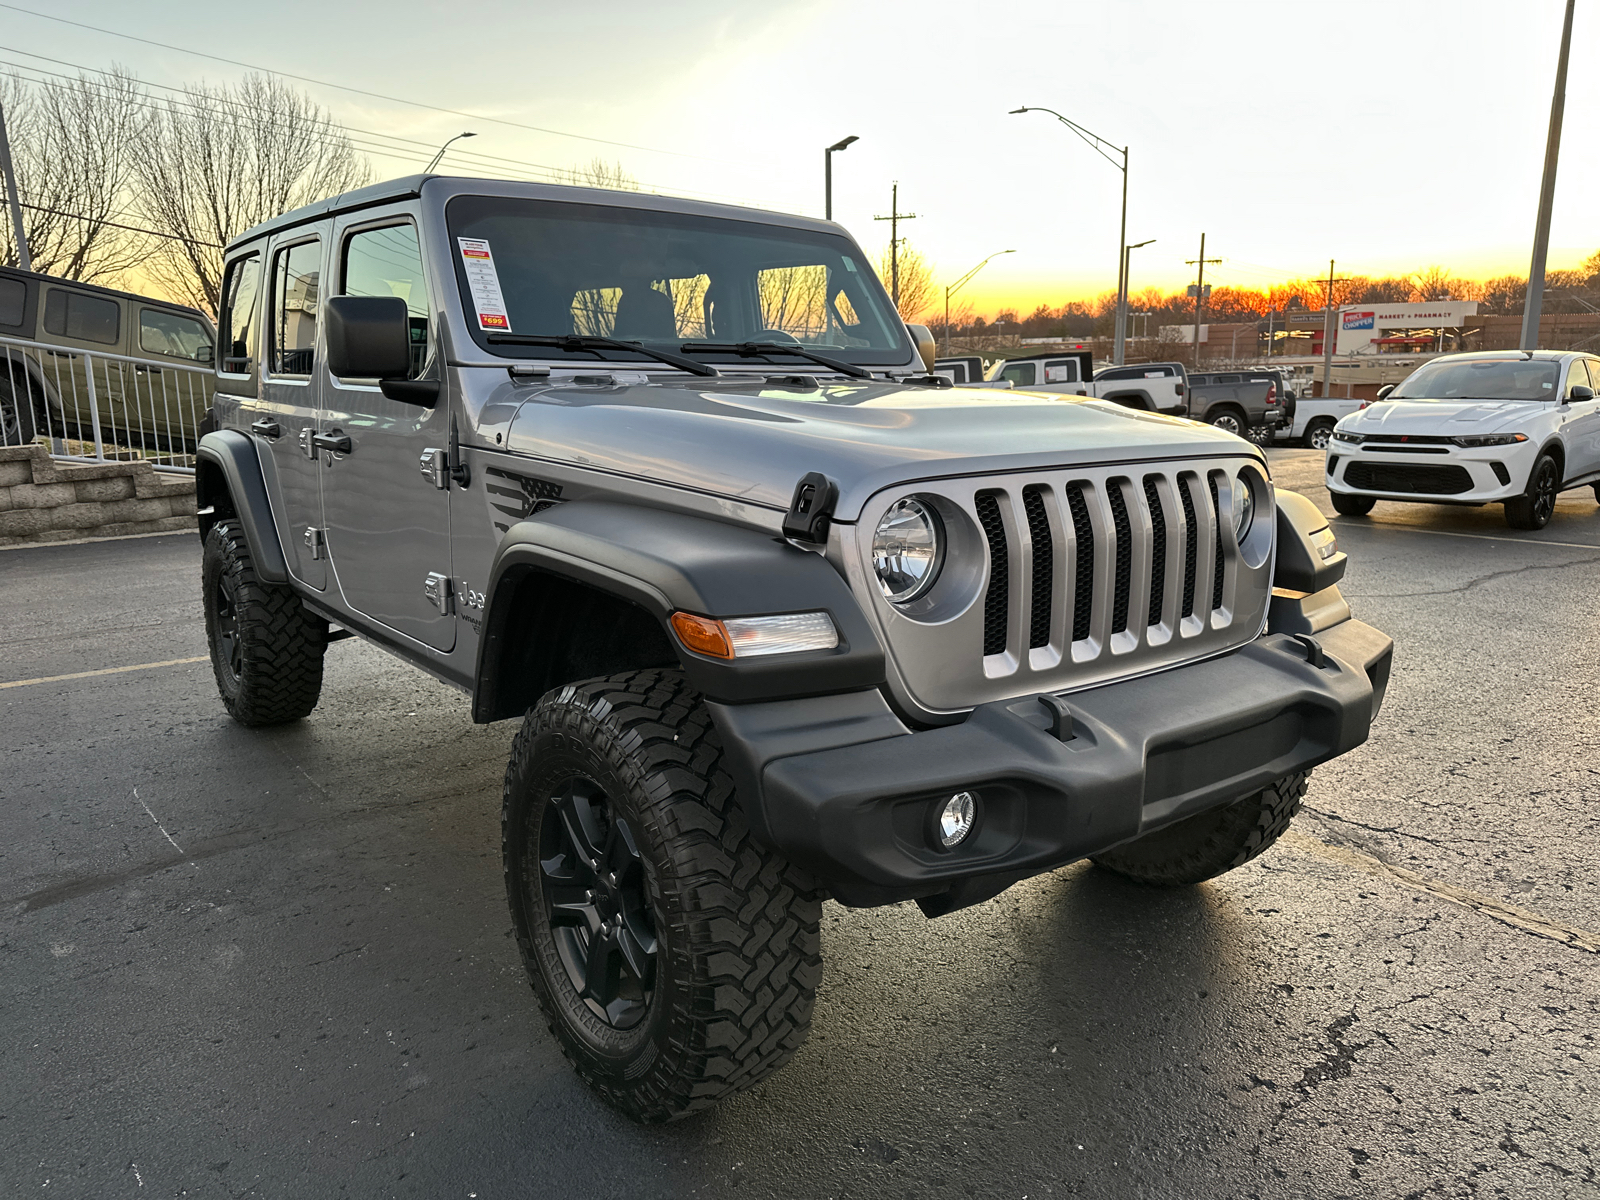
column 780, row 617
column 1153, row 387
column 1238, row 401
column 147, row 359
column 1478, row 428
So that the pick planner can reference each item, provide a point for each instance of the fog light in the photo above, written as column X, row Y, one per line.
column 956, row 820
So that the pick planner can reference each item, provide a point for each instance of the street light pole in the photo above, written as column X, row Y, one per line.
column 1105, row 149
column 827, row 173
column 1127, row 288
column 955, row 287
column 434, row 162
column 1533, row 304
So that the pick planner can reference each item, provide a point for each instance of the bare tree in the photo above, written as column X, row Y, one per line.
column 1433, row 283
column 218, row 160
column 916, row 280
column 73, row 143
column 599, row 174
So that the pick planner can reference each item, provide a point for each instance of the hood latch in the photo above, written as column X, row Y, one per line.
column 811, row 510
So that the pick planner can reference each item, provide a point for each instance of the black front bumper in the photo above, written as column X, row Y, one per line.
column 846, row 791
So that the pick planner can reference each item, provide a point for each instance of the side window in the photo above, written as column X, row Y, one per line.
column 1578, row 376
column 13, row 302
column 388, row 262
column 173, row 335
column 1020, row 374
column 82, row 318
column 295, row 280
column 1230, row 379
column 1594, row 373
column 1061, row 371
column 240, row 300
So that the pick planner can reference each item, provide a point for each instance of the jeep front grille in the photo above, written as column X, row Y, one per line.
column 1087, row 575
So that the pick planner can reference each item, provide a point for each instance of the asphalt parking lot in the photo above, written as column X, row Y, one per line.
column 246, row 963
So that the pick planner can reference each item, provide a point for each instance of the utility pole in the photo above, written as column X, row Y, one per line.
column 894, row 218
column 1533, row 305
column 15, row 201
column 1200, row 295
column 1327, row 332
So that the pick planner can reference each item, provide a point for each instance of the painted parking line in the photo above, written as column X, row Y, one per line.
column 1497, row 910
column 1343, row 523
column 171, row 662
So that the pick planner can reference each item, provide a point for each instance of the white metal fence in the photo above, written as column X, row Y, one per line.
column 98, row 407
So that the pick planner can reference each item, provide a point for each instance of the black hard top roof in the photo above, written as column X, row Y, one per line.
column 100, row 289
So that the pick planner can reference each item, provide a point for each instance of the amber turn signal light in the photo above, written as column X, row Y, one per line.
column 702, row 635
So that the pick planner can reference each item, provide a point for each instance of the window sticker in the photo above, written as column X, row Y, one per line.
column 849, row 264
column 1058, row 373
column 484, row 284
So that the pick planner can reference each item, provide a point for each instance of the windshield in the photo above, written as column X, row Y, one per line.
column 554, row 268
column 1481, row 379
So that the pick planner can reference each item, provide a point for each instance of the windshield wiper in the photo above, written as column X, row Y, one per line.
column 751, row 349
column 581, row 341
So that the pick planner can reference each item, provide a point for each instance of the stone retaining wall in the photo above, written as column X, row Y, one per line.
column 45, row 500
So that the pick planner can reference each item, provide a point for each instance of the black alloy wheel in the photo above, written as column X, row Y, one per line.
column 230, row 651
column 593, row 883
column 1534, row 508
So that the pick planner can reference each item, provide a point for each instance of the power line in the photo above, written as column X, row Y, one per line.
column 118, row 225
column 344, row 87
column 487, row 164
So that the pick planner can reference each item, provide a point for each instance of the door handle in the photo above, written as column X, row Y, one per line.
column 266, row 427
column 335, row 442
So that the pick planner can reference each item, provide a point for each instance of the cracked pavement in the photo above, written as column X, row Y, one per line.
column 284, row 968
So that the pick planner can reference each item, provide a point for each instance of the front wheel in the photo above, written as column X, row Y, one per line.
column 1319, row 435
column 17, row 425
column 1534, row 508
column 1351, row 506
column 1208, row 844
column 675, row 958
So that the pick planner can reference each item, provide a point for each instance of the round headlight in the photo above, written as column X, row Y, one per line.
column 1244, row 508
column 907, row 550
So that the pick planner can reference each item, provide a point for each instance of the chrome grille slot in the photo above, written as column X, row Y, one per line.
column 997, row 597
column 1044, row 581
column 1063, row 579
column 1083, row 536
column 1158, row 551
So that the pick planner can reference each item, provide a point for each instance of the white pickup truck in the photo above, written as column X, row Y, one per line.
column 1154, row 387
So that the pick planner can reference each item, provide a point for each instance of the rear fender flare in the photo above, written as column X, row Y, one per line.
column 664, row 562
column 228, row 479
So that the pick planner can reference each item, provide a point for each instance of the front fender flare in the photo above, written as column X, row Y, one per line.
column 233, row 455
column 664, row 562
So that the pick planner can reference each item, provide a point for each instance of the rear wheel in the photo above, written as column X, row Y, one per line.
column 266, row 646
column 1351, row 506
column 1211, row 843
column 1534, row 508
column 1319, row 435
column 16, row 413
column 676, row 959
column 1227, row 418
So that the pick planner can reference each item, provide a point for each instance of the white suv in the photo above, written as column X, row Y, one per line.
column 1495, row 427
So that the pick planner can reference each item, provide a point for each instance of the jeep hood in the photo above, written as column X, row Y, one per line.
column 1443, row 417
column 750, row 442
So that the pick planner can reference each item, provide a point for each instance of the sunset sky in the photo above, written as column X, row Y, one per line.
column 1386, row 136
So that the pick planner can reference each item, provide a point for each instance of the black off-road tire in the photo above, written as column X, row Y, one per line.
column 1351, row 506
column 18, row 425
column 1534, row 508
column 731, row 929
column 266, row 646
column 1210, row 843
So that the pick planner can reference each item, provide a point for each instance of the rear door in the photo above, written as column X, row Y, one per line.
column 286, row 417
column 388, row 523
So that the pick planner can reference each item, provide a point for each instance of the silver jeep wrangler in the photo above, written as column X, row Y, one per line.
column 783, row 617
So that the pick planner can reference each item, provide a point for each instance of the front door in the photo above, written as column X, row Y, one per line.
column 388, row 523
column 288, row 408
column 1581, row 429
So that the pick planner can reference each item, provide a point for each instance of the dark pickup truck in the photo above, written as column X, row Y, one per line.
column 1238, row 401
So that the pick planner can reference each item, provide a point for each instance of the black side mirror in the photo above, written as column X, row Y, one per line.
column 1383, row 392
column 369, row 337
column 1579, row 392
